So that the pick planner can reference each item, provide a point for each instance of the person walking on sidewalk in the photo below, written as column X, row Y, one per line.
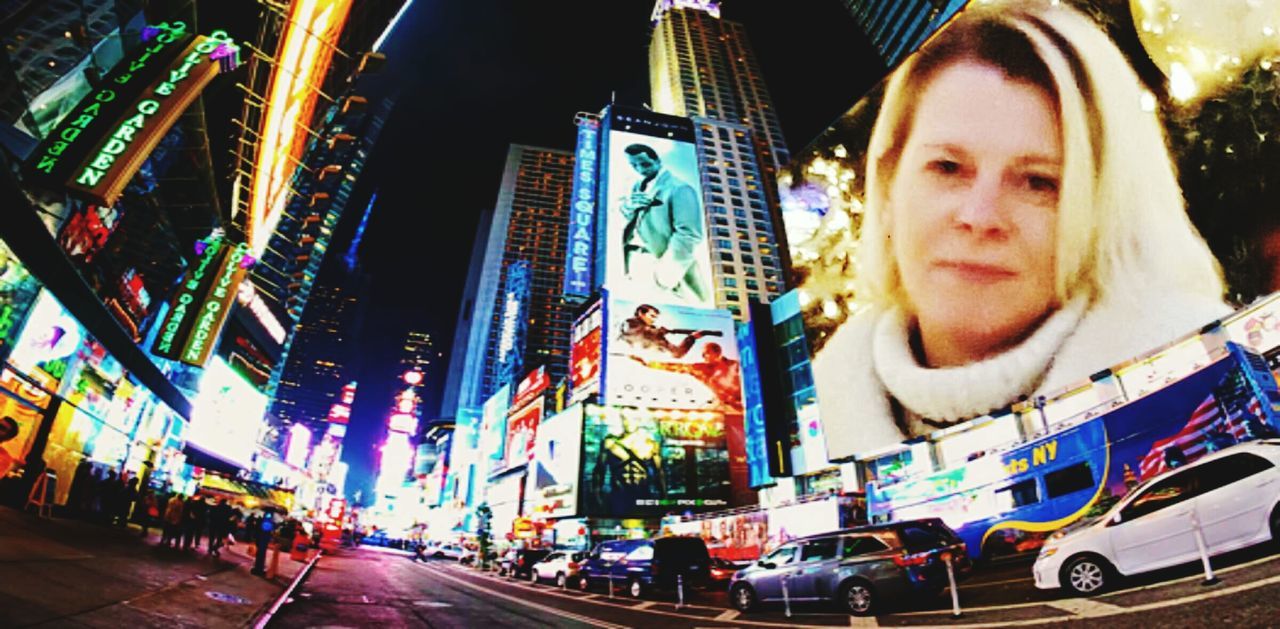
column 194, row 513
column 124, row 505
column 148, row 511
column 173, row 521
column 262, row 535
column 219, row 518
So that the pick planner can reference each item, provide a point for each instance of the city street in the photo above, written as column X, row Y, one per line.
column 67, row 573
column 387, row 588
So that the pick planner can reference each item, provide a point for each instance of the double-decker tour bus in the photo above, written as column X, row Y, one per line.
column 1128, row 424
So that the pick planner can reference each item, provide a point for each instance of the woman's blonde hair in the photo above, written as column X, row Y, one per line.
column 1122, row 222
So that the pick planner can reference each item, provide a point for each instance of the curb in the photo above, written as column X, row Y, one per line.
column 265, row 619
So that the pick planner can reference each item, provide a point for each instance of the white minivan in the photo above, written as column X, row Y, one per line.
column 1232, row 494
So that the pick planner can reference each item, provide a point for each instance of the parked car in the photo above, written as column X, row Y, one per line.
column 862, row 569
column 518, row 562
column 561, row 566
column 638, row 565
column 447, row 551
column 1232, row 494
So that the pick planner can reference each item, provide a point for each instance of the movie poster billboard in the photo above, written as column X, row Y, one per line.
column 553, row 473
column 584, row 353
column 522, row 428
column 669, row 356
column 655, row 227
column 738, row 537
column 1186, row 179
column 644, row 462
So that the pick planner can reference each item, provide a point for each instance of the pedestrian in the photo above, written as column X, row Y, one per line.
column 262, row 539
column 128, row 498
column 193, row 521
column 109, row 490
column 148, row 510
column 219, row 518
column 81, row 482
column 173, row 521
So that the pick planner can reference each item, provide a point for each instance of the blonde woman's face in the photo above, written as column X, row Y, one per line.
column 972, row 211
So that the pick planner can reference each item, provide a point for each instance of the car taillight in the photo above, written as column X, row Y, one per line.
column 573, row 565
column 906, row 560
column 520, row 562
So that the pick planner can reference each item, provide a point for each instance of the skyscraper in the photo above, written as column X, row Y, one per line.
column 322, row 356
column 417, row 352
column 529, row 224
column 701, row 65
column 899, row 27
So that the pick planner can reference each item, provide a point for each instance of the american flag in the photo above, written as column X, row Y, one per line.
column 1194, row 437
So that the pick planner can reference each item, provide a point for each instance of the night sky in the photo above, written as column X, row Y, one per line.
column 474, row 77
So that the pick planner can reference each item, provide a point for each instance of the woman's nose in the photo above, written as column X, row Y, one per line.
column 979, row 207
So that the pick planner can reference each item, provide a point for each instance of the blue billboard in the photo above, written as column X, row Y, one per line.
column 753, row 409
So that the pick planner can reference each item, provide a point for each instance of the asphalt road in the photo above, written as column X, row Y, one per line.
column 373, row 587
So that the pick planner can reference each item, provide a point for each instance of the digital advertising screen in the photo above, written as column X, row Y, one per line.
column 49, row 339
column 227, row 414
column 553, row 475
column 18, row 290
column 522, row 427
column 655, row 227
column 740, row 537
column 1160, row 215
column 668, row 356
column 584, row 353
column 493, row 431
column 642, row 462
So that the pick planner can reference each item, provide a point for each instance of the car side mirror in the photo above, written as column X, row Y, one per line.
column 1115, row 519
column 767, row 565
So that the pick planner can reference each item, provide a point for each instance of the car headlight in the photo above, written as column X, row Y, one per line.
column 1048, row 551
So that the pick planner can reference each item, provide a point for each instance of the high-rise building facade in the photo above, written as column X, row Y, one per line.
column 417, row 352
column 321, row 360
column 701, row 65
column 529, row 224
column 898, row 27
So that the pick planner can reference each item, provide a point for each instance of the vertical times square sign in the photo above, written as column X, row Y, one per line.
column 582, row 212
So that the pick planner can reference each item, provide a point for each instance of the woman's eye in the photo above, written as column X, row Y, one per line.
column 944, row 166
column 1042, row 183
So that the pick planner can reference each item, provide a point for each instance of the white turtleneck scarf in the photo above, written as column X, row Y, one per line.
column 949, row 394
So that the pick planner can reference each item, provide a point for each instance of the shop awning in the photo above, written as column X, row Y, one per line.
column 249, row 493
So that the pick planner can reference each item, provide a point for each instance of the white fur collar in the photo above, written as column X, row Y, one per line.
column 950, row 394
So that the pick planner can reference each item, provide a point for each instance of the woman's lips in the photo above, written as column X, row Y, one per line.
column 976, row 272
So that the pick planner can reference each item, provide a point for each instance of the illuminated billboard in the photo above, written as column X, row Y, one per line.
column 655, row 228
column 580, row 252
column 584, row 353
column 227, row 415
column 202, row 302
column 307, row 44
column 1158, row 188
column 522, row 427
column 515, row 321
column 493, row 430
column 643, row 462
column 48, row 340
column 18, row 292
column 666, row 356
column 756, row 441
column 552, row 490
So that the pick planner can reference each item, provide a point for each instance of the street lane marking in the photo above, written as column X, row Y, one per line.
column 1085, row 607
column 644, row 605
column 514, row 599
column 728, row 615
column 863, row 621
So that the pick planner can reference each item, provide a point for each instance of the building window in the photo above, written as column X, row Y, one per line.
column 731, row 282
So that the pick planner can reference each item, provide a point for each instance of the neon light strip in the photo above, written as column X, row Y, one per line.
column 377, row 45
column 304, row 56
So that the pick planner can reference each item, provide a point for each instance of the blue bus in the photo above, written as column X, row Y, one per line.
column 1009, row 501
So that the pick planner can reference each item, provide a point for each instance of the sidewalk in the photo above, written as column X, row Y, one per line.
column 68, row 573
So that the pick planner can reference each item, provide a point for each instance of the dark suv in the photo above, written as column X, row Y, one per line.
column 518, row 563
column 861, row 569
column 638, row 565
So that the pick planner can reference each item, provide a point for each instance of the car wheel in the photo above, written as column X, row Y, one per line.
column 635, row 588
column 742, row 597
column 561, row 581
column 858, row 598
column 1086, row 575
column 438, row 555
